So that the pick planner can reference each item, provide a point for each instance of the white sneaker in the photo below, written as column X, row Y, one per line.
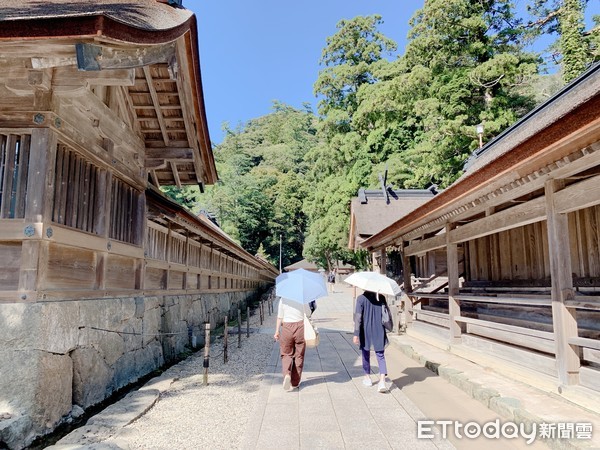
column 287, row 383
column 367, row 382
column 381, row 387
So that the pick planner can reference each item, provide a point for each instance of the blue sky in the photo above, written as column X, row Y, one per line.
column 252, row 53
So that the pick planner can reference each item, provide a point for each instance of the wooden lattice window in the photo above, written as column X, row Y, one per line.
column 75, row 191
column 14, row 167
column 125, row 214
column 156, row 244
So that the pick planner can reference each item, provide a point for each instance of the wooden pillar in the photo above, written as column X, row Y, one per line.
column 187, row 260
column 379, row 264
column 141, row 235
column 167, row 279
column 430, row 263
column 453, row 287
column 406, row 273
column 383, row 261
column 38, row 209
column 563, row 319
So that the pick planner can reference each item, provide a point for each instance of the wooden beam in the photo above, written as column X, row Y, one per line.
column 181, row 153
column 156, row 102
column 175, row 174
column 426, row 245
column 578, row 196
column 92, row 57
column 70, row 76
column 500, row 193
column 517, row 216
column 154, row 178
column 188, row 115
column 563, row 318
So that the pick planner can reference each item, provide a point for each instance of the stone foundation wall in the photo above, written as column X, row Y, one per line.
column 57, row 358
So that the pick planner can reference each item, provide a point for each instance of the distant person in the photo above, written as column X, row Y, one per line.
column 331, row 281
column 290, row 319
column 369, row 334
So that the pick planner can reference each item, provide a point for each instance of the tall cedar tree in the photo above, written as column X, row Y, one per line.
column 341, row 163
column 464, row 64
column 576, row 48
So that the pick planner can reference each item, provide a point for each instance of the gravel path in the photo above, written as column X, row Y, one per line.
column 190, row 415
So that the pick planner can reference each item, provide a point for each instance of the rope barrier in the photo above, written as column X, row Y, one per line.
column 139, row 334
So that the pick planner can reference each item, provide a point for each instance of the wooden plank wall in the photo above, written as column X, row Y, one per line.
column 515, row 254
column 521, row 254
column 85, row 233
column 191, row 264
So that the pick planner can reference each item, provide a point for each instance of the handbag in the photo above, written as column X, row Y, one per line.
column 311, row 334
column 386, row 317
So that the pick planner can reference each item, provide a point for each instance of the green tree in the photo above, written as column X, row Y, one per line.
column 464, row 64
column 263, row 182
column 341, row 162
column 575, row 48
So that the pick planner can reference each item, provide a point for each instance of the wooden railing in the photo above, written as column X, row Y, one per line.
column 520, row 336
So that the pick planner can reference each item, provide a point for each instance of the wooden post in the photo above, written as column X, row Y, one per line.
column 103, row 224
column 383, row 261
column 168, row 258
column 430, row 263
column 453, row 286
column 406, row 274
column 247, row 321
column 563, row 319
column 206, row 351
column 225, row 335
column 260, row 310
column 239, row 327
column 38, row 209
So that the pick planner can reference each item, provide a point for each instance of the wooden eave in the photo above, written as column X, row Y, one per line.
column 561, row 150
column 166, row 96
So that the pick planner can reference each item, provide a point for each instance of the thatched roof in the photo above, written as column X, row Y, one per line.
column 148, row 15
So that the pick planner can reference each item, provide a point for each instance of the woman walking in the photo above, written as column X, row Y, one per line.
column 370, row 334
column 290, row 319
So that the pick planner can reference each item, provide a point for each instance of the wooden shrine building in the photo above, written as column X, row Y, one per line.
column 102, row 278
column 507, row 259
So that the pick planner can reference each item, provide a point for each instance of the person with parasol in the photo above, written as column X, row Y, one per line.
column 371, row 320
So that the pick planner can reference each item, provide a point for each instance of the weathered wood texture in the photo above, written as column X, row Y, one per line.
column 71, row 228
column 522, row 253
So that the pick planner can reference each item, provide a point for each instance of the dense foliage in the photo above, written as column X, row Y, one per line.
column 286, row 179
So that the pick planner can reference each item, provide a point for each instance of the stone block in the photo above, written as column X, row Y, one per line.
column 53, row 391
column 151, row 326
column 125, row 371
column 19, row 325
column 18, row 378
column 505, row 406
column 140, row 307
column 149, row 358
column 57, row 330
column 92, row 377
column 484, row 395
column 17, row 432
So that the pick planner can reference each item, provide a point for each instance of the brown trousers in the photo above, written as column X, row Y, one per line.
column 292, row 347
